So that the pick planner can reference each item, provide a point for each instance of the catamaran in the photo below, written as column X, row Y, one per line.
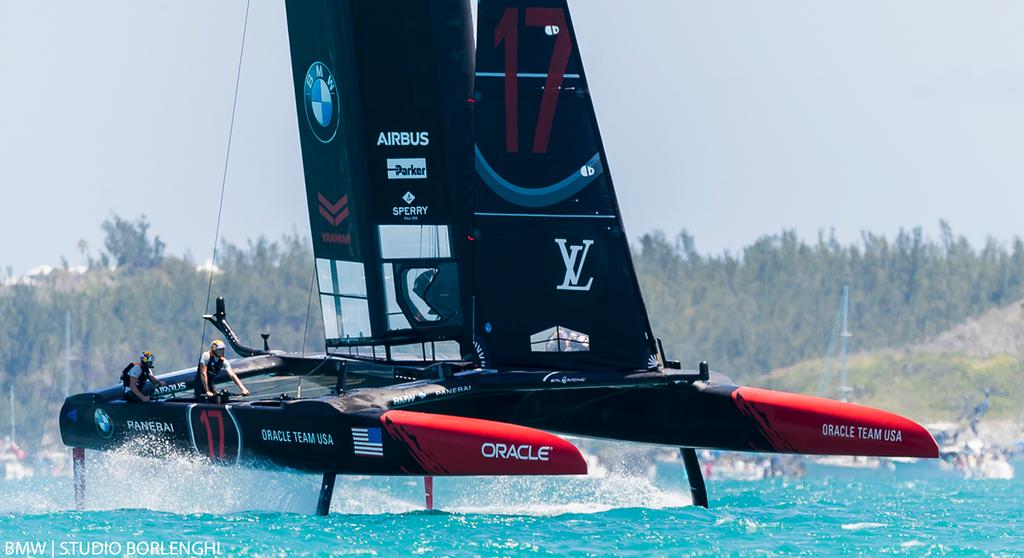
column 474, row 276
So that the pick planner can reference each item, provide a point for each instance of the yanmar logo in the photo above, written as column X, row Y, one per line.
column 335, row 213
column 406, row 169
column 524, row 452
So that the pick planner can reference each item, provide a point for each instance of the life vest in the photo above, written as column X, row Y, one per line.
column 143, row 376
column 212, row 369
column 215, row 366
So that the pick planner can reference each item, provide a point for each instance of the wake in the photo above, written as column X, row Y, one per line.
column 620, row 477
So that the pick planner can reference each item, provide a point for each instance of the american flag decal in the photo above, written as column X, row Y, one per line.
column 368, row 441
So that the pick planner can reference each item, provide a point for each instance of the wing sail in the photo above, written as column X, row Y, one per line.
column 381, row 93
column 554, row 284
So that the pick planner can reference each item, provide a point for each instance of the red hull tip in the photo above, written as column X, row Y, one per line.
column 446, row 445
column 813, row 425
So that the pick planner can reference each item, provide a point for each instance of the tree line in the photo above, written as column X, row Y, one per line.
column 770, row 305
column 773, row 303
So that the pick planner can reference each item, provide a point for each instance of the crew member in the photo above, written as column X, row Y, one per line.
column 135, row 375
column 210, row 364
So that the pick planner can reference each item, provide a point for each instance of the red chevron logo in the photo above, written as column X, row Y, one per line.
column 335, row 213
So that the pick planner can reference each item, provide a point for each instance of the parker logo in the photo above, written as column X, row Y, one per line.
column 335, row 213
column 574, row 256
column 407, row 169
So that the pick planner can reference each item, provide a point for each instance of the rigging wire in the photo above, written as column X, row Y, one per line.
column 224, row 176
column 309, row 302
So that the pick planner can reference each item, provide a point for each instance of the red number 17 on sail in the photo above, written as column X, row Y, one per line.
column 507, row 32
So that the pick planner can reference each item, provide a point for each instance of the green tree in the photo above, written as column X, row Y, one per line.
column 129, row 245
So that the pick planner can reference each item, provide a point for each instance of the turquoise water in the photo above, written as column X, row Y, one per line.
column 631, row 511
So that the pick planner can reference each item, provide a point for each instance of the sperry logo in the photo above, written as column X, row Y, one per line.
column 335, row 213
column 574, row 256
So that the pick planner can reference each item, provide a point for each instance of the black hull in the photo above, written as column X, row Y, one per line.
column 316, row 434
column 310, row 436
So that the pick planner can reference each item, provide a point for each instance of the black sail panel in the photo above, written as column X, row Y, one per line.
column 382, row 94
column 554, row 285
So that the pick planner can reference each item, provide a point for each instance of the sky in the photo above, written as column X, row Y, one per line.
column 731, row 119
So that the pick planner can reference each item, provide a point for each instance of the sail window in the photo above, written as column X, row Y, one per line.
column 396, row 318
column 413, row 242
column 366, row 351
column 355, row 317
column 559, row 339
column 416, row 282
column 343, row 299
column 421, row 288
column 341, row 278
column 427, row 352
column 332, row 327
column 414, row 351
column 446, row 350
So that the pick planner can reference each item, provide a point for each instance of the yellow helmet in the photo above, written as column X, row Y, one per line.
column 218, row 345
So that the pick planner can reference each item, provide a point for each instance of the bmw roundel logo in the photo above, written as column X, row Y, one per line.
column 322, row 103
column 103, row 423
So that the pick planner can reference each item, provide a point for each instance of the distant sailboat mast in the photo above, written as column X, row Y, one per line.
column 844, row 308
column 840, row 333
column 67, row 352
column 13, row 432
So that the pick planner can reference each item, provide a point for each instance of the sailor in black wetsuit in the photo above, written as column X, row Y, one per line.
column 134, row 378
column 210, row 364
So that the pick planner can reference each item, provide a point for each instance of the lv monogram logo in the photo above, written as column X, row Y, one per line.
column 574, row 256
